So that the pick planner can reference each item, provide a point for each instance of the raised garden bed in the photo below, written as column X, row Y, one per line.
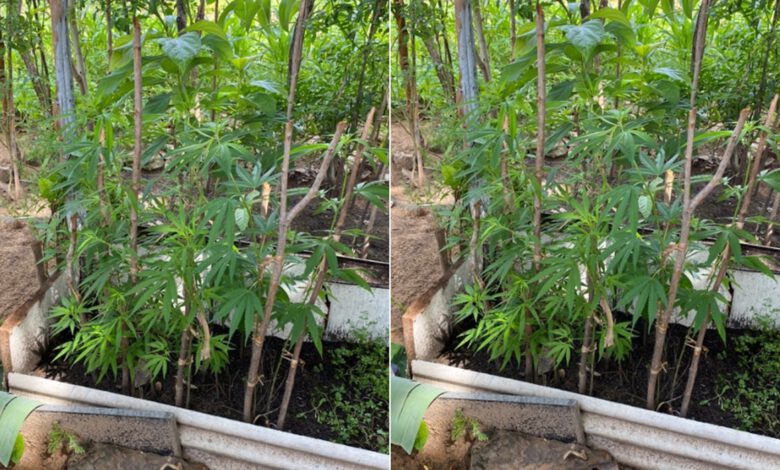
column 28, row 352
column 635, row 436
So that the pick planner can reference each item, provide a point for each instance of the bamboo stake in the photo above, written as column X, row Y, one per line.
column 530, row 373
column 136, row 187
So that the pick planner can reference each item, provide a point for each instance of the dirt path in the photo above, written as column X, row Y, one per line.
column 414, row 251
column 18, row 275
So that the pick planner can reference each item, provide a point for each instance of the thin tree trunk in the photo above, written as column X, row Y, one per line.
column 10, row 112
column 540, row 120
column 109, row 34
column 726, row 255
column 772, row 220
column 371, row 222
column 585, row 353
column 414, row 109
column 443, row 73
column 137, row 147
column 296, row 52
column 41, row 87
column 765, row 65
column 3, row 83
column 483, row 47
column 662, row 323
column 403, row 46
column 181, row 15
column 322, row 268
column 584, row 9
column 80, row 66
column 513, row 27
column 505, row 179
column 366, row 51
column 101, row 168
column 136, row 188
column 182, row 363
column 260, row 328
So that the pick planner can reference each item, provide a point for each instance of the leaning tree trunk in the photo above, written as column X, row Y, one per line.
column 319, row 275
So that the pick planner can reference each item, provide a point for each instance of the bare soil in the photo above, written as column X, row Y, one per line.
column 18, row 274
column 223, row 394
column 415, row 254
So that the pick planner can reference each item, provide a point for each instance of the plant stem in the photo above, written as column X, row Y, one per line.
column 726, row 254
column 662, row 322
column 689, row 206
column 285, row 220
column 322, row 268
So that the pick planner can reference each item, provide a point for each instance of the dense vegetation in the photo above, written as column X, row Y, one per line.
column 163, row 137
column 632, row 100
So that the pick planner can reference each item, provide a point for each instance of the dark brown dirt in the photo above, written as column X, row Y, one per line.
column 18, row 273
column 319, row 224
column 722, row 211
column 416, row 265
column 223, row 395
column 627, row 382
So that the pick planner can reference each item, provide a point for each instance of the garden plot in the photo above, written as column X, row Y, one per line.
column 357, row 360
column 431, row 335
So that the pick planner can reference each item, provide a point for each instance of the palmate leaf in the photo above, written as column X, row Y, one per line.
column 241, row 307
column 646, row 293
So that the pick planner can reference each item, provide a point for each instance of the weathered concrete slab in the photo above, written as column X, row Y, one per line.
column 427, row 321
column 507, row 450
column 755, row 296
column 353, row 313
column 25, row 331
column 549, row 418
column 353, row 309
column 148, row 431
column 228, row 444
column 636, row 437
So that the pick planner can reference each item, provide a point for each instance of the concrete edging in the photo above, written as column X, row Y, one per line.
column 634, row 436
column 28, row 325
column 217, row 442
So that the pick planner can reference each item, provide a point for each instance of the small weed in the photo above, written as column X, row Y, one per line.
column 59, row 437
column 753, row 394
column 465, row 426
column 354, row 404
